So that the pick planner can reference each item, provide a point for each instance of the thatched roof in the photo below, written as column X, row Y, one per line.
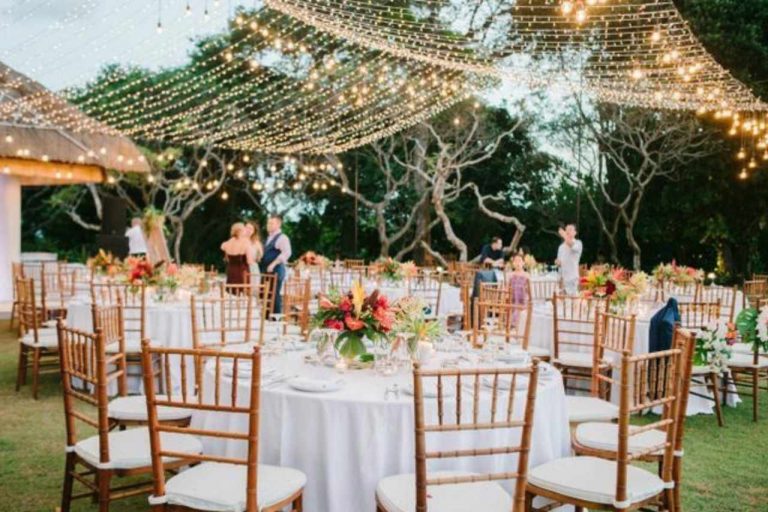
column 38, row 125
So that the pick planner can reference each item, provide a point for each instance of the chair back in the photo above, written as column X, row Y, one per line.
column 86, row 376
column 647, row 381
column 502, row 320
column 614, row 336
column 698, row 315
column 132, row 299
column 427, row 286
column 574, row 323
column 354, row 263
column 754, row 290
column 725, row 295
column 30, row 315
column 223, row 319
column 542, row 289
column 109, row 321
column 219, row 392
column 474, row 410
column 57, row 286
column 296, row 296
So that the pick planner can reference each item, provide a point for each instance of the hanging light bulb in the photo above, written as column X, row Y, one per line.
column 741, row 155
column 567, row 7
column 581, row 15
column 752, row 163
column 743, row 174
column 224, row 196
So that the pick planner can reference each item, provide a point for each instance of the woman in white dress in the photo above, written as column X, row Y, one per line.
column 256, row 250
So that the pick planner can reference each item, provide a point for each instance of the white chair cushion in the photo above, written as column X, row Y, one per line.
column 539, row 351
column 131, row 347
column 605, row 436
column 744, row 348
column 216, row 486
column 577, row 359
column 47, row 338
column 398, row 494
column 739, row 360
column 134, row 408
column 130, row 448
column 701, row 370
column 593, row 479
column 588, row 408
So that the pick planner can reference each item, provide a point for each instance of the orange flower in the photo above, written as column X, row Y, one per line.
column 354, row 324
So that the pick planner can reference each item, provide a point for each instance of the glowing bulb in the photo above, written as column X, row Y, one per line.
column 567, row 7
column 150, row 179
column 581, row 16
column 752, row 163
column 224, row 196
column 741, row 155
column 655, row 36
column 743, row 174
column 9, row 139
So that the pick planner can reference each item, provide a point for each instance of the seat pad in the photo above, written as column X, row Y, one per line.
column 576, row 359
column 398, row 494
column 134, row 408
column 46, row 338
column 594, row 479
column 132, row 346
column 130, row 448
column 588, row 408
column 605, row 436
column 741, row 360
column 221, row 487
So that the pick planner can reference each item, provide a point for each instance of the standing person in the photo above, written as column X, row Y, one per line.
column 277, row 252
column 237, row 252
column 492, row 254
column 568, row 257
column 517, row 280
column 257, row 250
column 137, row 244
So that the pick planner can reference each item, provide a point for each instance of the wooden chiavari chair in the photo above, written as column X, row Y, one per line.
column 86, row 377
column 696, row 316
column 217, row 482
column 464, row 280
column 614, row 335
column 341, row 279
column 682, row 291
column 296, row 296
column 725, row 295
column 126, row 410
column 748, row 373
column 17, row 272
column 601, row 439
column 541, row 290
column 760, row 277
column 57, row 287
column 754, row 291
column 428, row 287
column 38, row 346
column 133, row 302
column 354, row 263
column 505, row 322
column 646, row 381
column 474, row 491
column 574, row 325
column 222, row 320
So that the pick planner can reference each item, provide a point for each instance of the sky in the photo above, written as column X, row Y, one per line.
column 64, row 43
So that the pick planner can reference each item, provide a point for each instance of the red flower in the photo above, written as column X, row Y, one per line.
column 345, row 305
column 354, row 324
column 325, row 303
column 610, row 287
column 384, row 318
column 382, row 302
column 332, row 323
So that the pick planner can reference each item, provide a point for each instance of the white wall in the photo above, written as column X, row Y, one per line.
column 10, row 232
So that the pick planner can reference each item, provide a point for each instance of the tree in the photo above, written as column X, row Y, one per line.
column 627, row 150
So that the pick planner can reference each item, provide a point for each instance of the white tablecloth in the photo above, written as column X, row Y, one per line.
column 346, row 441
column 450, row 296
column 542, row 335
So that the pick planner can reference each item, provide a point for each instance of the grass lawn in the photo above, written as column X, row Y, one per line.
column 726, row 469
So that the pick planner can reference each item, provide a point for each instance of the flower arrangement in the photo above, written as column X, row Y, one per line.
column 192, row 277
column 163, row 277
column 105, row 263
column 713, row 346
column 411, row 320
column 677, row 274
column 312, row 259
column 614, row 284
column 753, row 327
column 356, row 316
column 392, row 270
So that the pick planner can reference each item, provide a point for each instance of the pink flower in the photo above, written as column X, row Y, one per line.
column 354, row 324
column 345, row 305
column 384, row 318
column 172, row 269
column 325, row 303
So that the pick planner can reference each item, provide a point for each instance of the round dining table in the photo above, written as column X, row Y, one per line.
column 345, row 440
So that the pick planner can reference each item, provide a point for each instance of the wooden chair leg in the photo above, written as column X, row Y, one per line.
column 35, row 371
column 528, row 501
column 298, row 504
column 712, row 377
column 66, row 492
column 21, row 370
column 12, row 325
column 104, row 477
column 755, row 391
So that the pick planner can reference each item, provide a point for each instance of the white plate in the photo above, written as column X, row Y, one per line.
column 316, row 385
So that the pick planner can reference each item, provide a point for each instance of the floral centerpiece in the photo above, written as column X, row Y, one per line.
column 312, row 259
column 192, row 277
column 411, row 320
column 105, row 263
column 390, row 269
column 162, row 277
column 356, row 317
column 677, row 274
column 616, row 284
column 753, row 328
column 713, row 346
